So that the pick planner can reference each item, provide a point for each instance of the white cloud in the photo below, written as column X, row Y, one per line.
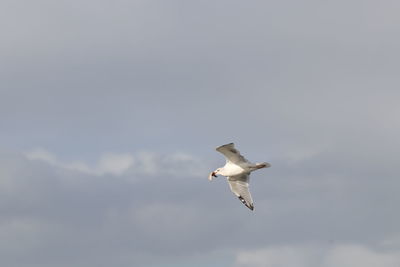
column 41, row 154
column 176, row 164
column 109, row 163
column 356, row 255
column 276, row 257
column 345, row 255
column 115, row 163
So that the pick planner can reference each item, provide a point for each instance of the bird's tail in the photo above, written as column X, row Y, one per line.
column 262, row 165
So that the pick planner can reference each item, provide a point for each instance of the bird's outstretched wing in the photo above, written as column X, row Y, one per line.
column 239, row 185
column 231, row 153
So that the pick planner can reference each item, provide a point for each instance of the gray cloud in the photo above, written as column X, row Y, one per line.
column 143, row 218
column 341, row 255
column 301, row 69
column 51, row 214
column 309, row 86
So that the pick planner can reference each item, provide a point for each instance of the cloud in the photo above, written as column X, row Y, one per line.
column 126, row 108
column 89, row 218
column 159, row 210
column 306, row 82
column 277, row 257
column 109, row 163
column 345, row 255
column 176, row 164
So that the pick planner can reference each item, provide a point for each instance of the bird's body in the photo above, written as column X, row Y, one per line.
column 237, row 170
column 232, row 169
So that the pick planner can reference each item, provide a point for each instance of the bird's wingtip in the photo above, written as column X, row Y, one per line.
column 230, row 144
column 250, row 206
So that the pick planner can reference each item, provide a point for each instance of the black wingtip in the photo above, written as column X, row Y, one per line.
column 250, row 206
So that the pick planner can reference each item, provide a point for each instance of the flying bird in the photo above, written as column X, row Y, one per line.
column 237, row 171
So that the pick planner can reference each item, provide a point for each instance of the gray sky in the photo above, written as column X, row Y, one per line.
column 110, row 112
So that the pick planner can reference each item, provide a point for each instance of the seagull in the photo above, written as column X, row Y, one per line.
column 237, row 171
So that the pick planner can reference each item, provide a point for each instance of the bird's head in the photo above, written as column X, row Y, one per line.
column 214, row 174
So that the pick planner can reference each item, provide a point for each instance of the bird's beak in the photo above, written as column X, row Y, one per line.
column 210, row 177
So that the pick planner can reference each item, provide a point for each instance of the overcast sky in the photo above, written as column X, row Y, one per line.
column 110, row 112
